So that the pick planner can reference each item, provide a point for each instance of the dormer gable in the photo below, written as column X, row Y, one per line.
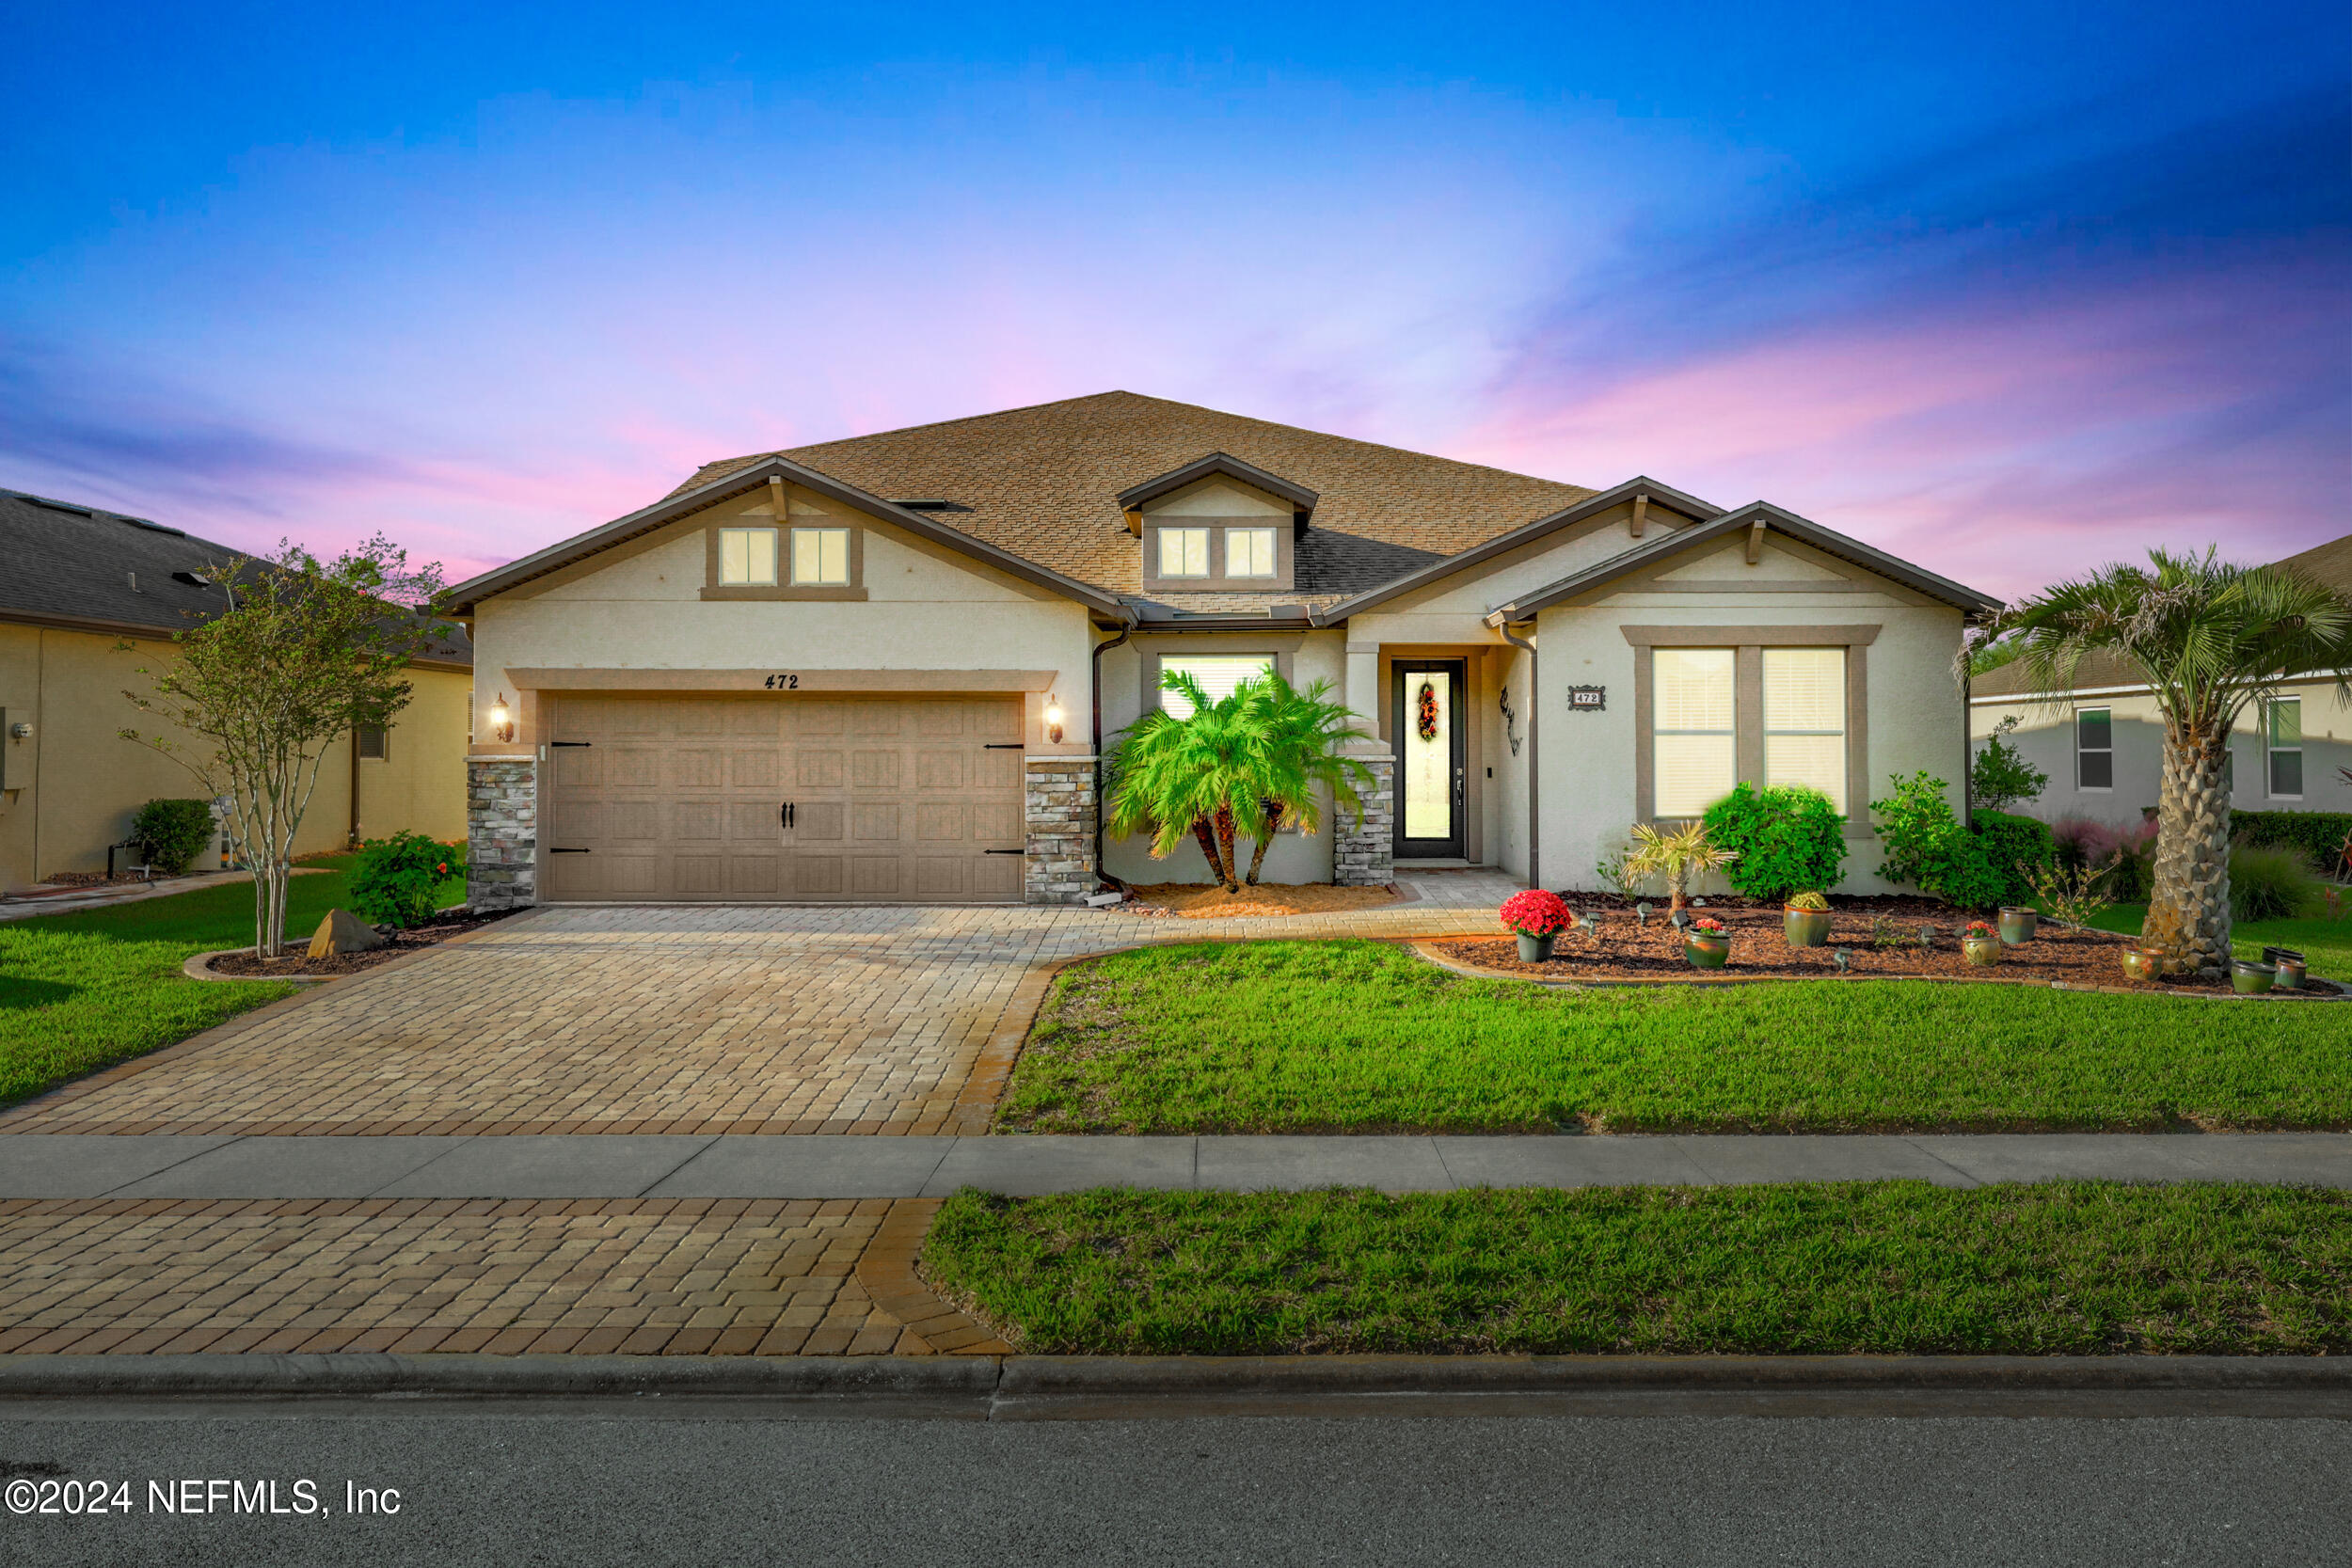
column 1137, row 498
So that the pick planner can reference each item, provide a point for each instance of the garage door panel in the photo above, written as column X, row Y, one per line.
column 679, row 798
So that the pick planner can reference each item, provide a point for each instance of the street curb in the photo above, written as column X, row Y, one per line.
column 983, row 1379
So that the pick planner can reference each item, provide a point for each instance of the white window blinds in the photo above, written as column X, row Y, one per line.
column 1219, row 674
column 1804, row 719
column 1694, row 756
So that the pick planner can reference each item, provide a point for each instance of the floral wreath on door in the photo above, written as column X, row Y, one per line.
column 1426, row 712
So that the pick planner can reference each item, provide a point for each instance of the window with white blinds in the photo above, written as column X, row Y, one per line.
column 1217, row 675
column 1804, row 719
column 1692, row 702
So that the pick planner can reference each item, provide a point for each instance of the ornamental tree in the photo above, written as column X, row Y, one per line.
column 259, row 693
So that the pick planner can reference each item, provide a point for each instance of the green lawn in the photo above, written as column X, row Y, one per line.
column 1360, row 1037
column 1886, row 1268
column 2325, row 943
column 83, row 991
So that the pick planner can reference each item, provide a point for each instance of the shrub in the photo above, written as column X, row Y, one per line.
column 2074, row 894
column 173, row 832
column 1615, row 869
column 1786, row 837
column 1926, row 847
column 2001, row 777
column 1807, row 901
column 2270, row 882
column 2017, row 849
column 2320, row 834
column 397, row 877
column 1534, row 912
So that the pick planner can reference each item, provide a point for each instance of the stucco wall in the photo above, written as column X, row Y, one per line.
column 2045, row 737
column 70, row 789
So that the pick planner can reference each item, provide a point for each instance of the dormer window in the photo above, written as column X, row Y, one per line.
column 1250, row 552
column 1184, row 552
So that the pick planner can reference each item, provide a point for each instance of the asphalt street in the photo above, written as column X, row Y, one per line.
column 592, row 1490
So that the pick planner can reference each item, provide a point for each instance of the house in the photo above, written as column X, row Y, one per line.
column 79, row 583
column 886, row 667
column 2102, row 742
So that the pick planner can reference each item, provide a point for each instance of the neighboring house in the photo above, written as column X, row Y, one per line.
column 76, row 582
column 885, row 668
column 2102, row 743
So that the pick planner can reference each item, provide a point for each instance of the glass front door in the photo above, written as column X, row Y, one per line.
column 1427, row 723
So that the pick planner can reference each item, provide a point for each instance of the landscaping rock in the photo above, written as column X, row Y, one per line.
column 342, row 933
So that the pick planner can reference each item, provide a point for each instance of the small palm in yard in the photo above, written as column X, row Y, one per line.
column 1678, row 855
column 2208, row 639
column 1299, row 759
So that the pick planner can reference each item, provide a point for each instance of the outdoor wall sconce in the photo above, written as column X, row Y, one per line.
column 1052, row 719
column 19, row 732
column 501, row 721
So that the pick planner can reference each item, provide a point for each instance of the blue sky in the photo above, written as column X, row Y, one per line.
column 2009, row 290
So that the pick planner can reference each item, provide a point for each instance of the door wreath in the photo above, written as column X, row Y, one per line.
column 1426, row 713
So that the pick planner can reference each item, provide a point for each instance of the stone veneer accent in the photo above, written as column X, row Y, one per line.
column 502, row 832
column 1059, row 868
column 1363, row 854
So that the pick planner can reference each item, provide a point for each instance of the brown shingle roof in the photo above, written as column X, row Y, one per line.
column 1042, row 481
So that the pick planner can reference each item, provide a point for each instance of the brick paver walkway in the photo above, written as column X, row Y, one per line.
column 637, row 1278
column 669, row 1019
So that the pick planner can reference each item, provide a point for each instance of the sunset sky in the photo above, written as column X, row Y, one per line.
column 2009, row 289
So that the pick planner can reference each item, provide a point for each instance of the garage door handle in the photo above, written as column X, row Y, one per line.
column 1006, row 746
column 555, row 851
column 571, row 743
column 784, row 815
column 1003, row 851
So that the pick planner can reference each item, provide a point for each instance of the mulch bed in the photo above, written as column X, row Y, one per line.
column 296, row 965
column 1623, row 949
column 1208, row 901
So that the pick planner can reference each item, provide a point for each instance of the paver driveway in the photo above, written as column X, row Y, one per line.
column 669, row 1019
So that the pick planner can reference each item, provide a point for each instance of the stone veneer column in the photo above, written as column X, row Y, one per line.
column 1365, row 854
column 502, row 832
column 1058, row 867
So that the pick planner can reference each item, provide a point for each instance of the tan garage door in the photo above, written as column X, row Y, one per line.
column 819, row 800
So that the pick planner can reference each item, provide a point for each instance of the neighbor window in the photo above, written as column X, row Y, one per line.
column 2285, row 742
column 820, row 557
column 747, row 557
column 1249, row 552
column 1184, row 552
column 2094, row 748
column 1216, row 673
column 1804, row 719
column 372, row 741
column 1695, row 753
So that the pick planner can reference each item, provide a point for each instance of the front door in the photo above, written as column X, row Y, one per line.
column 1427, row 718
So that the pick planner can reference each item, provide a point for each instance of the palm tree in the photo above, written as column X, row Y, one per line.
column 1296, row 759
column 1678, row 855
column 1180, row 776
column 2208, row 639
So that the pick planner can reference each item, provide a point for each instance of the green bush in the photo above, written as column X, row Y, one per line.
column 2015, row 848
column 2320, row 834
column 173, row 832
column 397, row 877
column 1788, row 838
column 2270, row 882
column 1926, row 846
column 2002, row 777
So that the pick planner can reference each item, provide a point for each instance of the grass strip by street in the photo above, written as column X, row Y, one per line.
column 1884, row 1268
column 1362, row 1037
column 85, row 990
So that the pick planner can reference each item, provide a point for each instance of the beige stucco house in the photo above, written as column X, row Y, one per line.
column 886, row 667
column 79, row 583
column 2102, row 741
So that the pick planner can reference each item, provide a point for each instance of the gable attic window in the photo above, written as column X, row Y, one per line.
column 747, row 557
column 1249, row 552
column 820, row 557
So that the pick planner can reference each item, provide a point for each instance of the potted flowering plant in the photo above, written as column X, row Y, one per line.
column 1806, row 920
column 1982, row 944
column 1537, row 917
column 1707, row 943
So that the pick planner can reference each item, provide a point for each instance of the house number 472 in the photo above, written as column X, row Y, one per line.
column 783, row 683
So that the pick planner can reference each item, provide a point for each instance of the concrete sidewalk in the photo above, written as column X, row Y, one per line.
column 172, row 1166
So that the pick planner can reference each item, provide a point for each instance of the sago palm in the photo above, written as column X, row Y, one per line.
column 1676, row 855
column 2208, row 639
column 1296, row 759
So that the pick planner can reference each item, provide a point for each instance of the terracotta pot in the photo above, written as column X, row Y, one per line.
column 2250, row 976
column 1536, row 950
column 1706, row 950
column 1984, row 952
column 2142, row 963
column 1805, row 927
column 2017, row 925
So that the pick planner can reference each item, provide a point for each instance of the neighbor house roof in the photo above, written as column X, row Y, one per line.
column 1044, row 483
column 85, row 568
column 2330, row 564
